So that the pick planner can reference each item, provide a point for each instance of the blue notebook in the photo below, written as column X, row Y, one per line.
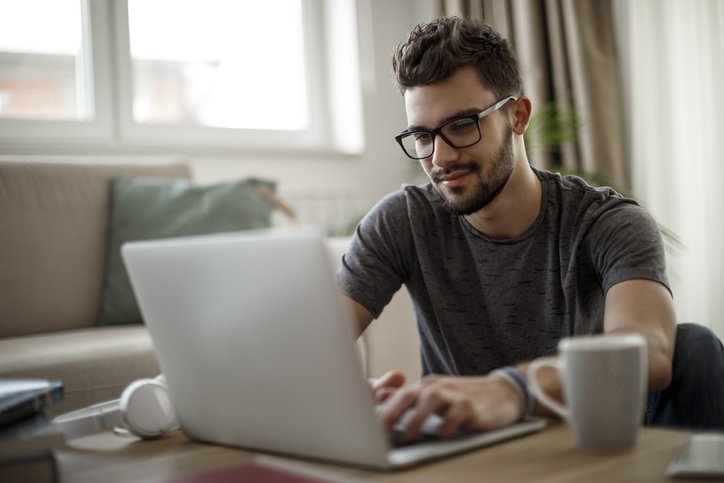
column 23, row 398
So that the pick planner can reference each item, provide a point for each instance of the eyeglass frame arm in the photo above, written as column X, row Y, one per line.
column 437, row 131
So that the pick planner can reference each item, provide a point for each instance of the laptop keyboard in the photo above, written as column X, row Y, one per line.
column 428, row 431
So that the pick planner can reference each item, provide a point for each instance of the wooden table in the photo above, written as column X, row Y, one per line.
column 548, row 456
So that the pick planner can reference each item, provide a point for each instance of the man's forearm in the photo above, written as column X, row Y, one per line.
column 645, row 307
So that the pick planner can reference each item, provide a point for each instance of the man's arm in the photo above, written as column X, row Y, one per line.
column 361, row 317
column 645, row 307
column 634, row 306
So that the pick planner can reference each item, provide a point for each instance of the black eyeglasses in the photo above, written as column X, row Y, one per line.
column 461, row 132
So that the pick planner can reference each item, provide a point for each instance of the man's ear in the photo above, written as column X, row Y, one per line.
column 521, row 115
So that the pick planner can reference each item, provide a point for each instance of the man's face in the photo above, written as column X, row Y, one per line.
column 469, row 178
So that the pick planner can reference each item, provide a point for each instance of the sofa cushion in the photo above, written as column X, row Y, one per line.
column 53, row 238
column 94, row 364
column 146, row 208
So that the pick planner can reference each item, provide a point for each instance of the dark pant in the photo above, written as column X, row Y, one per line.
column 695, row 397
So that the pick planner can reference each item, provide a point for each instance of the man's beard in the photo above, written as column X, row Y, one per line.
column 502, row 169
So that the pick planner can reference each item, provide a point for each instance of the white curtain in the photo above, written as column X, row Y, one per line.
column 672, row 54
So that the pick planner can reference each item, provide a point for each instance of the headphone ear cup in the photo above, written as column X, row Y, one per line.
column 147, row 409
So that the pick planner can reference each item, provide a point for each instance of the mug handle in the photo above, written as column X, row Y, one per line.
column 538, row 391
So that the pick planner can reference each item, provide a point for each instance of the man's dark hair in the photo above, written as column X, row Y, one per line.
column 436, row 50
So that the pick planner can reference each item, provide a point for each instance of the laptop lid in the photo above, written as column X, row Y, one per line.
column 258, row 352
column 255, row 344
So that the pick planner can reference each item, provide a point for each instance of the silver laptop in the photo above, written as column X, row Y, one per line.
column 258, row 349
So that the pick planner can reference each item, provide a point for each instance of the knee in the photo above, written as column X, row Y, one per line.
column 698, row 336
column 695, row 397
column 697, row 346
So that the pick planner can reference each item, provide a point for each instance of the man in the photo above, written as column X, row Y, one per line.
column 501, row 260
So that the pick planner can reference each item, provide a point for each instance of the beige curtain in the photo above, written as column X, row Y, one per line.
column 567, row 53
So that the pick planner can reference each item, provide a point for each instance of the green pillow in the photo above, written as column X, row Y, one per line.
column 147, row 208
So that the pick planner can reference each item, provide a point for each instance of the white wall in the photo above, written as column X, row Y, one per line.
column 382, row 167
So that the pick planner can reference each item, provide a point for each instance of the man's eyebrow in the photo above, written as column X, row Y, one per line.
column 457, row 115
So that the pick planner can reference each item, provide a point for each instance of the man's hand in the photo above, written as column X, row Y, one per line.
column 479, row 403
column 383, row 387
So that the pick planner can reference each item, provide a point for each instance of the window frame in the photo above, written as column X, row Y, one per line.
column 113, row 128
column 99, row 128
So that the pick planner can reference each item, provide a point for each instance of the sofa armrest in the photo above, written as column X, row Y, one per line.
column 95, row 364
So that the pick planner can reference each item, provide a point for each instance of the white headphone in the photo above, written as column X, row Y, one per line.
column 144, row 409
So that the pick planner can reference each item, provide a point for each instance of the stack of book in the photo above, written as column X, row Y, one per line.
column 27, row 436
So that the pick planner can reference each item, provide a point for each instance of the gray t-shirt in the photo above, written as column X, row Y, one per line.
column 481, row 303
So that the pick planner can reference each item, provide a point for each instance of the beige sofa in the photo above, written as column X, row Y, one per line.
column 53, row 239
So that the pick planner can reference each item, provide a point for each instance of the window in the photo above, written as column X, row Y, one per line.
column 232, row 72
column 49, row 68
column 42, row 61
column 176, row 74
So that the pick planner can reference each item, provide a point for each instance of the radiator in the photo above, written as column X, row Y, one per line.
column 336, row 212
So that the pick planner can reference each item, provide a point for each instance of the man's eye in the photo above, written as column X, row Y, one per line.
column 461, row 125
column 422, row 137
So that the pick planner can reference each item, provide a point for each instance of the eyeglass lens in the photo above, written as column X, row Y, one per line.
column 459, row 133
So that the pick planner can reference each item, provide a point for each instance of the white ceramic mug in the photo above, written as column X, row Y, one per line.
column 604, row 383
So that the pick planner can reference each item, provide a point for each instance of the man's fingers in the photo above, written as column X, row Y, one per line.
column 390, row 379
column 476, row 402
column 384, row 386
column 431, row 401
column 456, row 416
column 383, row 393
column 396, row 405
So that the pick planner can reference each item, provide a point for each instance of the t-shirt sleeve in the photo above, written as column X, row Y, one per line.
column 378, row 260
column 624, row 244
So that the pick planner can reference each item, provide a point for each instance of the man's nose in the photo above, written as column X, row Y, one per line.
column 444, row 154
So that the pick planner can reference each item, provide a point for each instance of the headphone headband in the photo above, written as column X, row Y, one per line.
column 90, row 420
column 144, row 409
